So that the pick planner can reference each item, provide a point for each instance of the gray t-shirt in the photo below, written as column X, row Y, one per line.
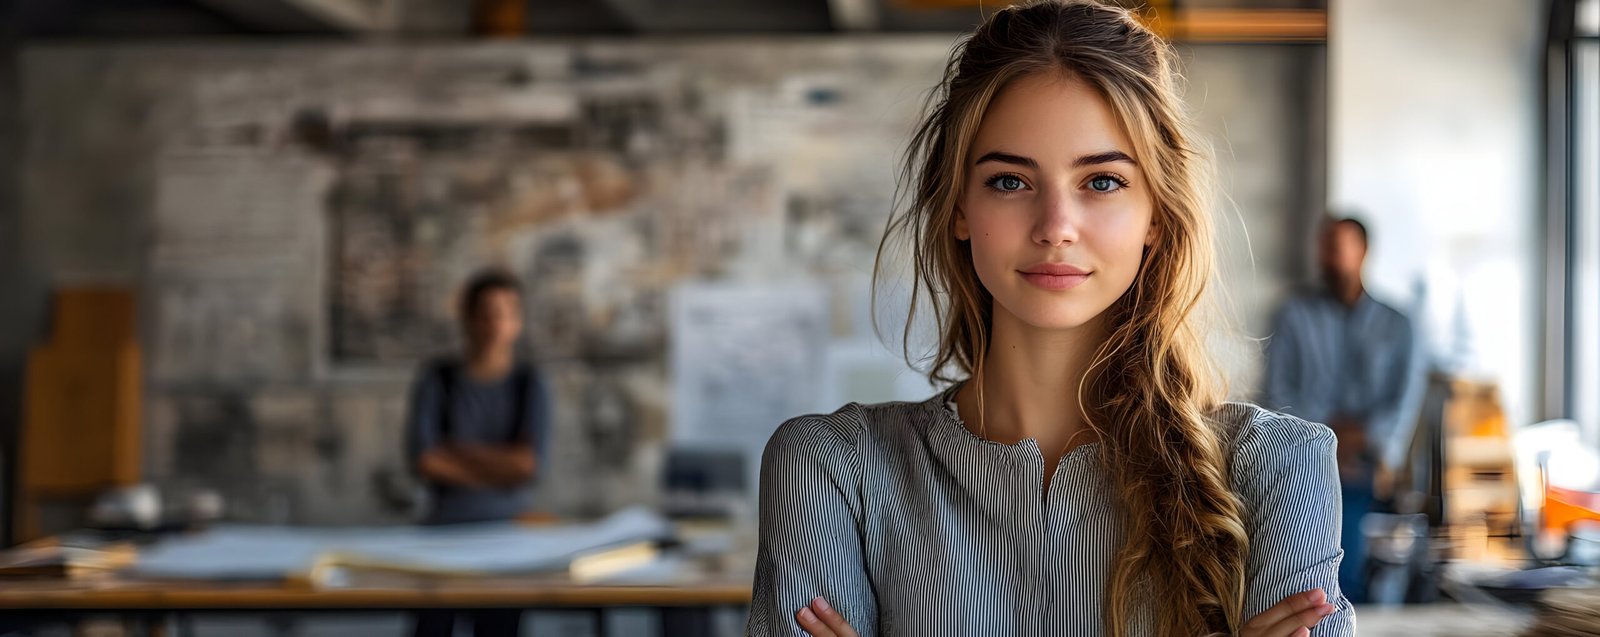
column 449, row 406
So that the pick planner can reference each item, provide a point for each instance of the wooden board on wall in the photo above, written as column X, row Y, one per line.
column 81, row 418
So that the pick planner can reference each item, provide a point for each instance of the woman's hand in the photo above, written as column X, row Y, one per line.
column 821, row 620
column 1292, row 617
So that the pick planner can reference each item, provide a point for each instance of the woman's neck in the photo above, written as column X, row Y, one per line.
column 1029, row 382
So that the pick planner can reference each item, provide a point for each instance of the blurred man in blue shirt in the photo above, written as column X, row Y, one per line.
column 1339, row 357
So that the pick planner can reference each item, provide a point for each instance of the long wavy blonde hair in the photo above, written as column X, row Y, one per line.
column 1151, row 386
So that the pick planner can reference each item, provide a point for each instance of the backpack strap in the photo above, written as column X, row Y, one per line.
column 521, row 377
column 445, row 371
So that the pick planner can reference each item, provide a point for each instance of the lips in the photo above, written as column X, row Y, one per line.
column 1054, row 276
column 1054, row 269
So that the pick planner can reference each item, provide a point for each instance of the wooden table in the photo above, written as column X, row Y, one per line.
column 1441, row 620
column 685, row 605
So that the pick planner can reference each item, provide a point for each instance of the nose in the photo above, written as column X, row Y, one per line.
column 1056, row 221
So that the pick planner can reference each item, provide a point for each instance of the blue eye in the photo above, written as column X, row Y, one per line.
column 1106, row 184
column 1006, row 183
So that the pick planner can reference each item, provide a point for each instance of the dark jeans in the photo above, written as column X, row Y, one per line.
column 500, row 622
column 1358, row 501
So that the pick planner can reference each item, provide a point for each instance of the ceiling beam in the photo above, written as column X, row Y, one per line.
column 634, row 14
column 854, row 15
column 725, row 16
column 1199, row 25
column 334, row 16
column 1251, row 26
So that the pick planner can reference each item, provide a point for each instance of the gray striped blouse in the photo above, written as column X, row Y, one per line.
column 910, row 525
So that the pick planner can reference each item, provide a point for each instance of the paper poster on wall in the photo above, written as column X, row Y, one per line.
column 745, row 357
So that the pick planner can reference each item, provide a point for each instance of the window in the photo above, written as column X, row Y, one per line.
column 1575, row 168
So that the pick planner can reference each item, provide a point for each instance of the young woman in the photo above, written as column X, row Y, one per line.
column 1082, row 475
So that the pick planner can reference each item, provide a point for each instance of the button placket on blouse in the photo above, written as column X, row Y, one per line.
column 1018, row 500
column 1033, row 532
column 1056, row 505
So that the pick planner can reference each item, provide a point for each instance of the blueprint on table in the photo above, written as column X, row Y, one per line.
column 238, row 552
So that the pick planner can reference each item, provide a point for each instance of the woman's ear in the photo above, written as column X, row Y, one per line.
column 1150, row 236
column 961, row 231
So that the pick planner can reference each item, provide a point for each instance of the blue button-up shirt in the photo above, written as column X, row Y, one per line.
column 1327, row 359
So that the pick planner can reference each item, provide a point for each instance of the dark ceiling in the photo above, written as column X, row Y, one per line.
column 51, row 19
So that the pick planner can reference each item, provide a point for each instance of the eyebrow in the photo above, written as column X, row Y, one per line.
column 1106, row 157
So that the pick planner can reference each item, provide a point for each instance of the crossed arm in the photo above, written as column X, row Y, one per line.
column 478, row 466
column 1295, row 616
column 441, row 460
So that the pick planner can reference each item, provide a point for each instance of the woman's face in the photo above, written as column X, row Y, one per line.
column 1055, row 209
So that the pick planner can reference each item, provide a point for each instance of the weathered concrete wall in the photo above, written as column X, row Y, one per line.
column 297, row 217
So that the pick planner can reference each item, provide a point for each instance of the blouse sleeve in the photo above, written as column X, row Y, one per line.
column 810, row 531
column 1285, row 471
